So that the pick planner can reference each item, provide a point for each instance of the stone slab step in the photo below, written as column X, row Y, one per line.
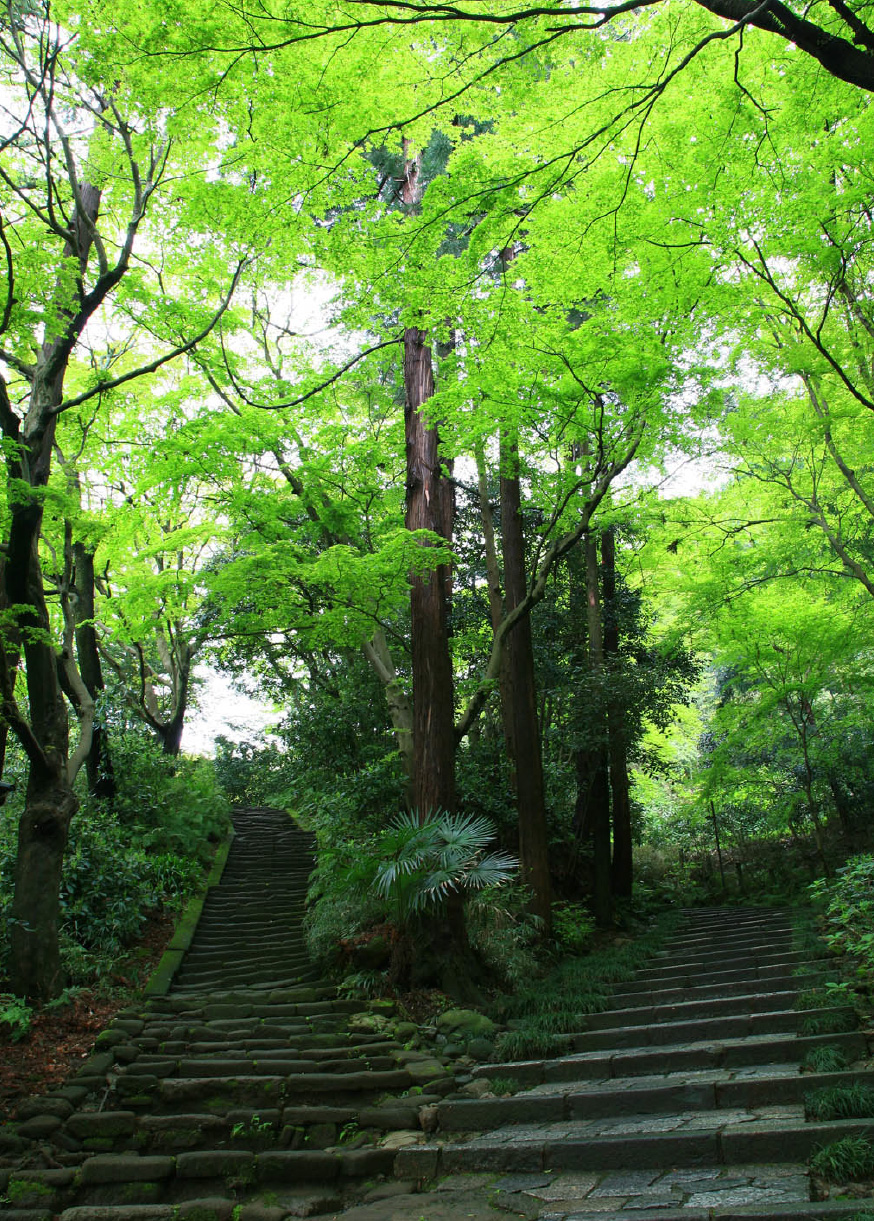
column 745, row 1002
column 574, row 1146
column 224, row 1093
column 727, row 1053
column 654, row 1095
column 732, row 1027
column 628, row 996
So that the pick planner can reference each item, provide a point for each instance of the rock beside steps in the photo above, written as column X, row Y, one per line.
column 271, row 1097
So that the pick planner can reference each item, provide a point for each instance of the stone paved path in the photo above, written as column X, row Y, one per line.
column 244, row 1089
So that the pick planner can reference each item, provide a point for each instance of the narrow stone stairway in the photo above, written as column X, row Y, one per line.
column 683, row 1101
column 244, row 1088
column 241, row 1088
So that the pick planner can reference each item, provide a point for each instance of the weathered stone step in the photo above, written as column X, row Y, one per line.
column 255, row 1065
column 682, row 976
column 781, row 1085
column 729, row 1027
column 722, row 964
column 727, row 1053
column 629, row 996
column 698, row 1139
column 741, row 1003
column 729, row 946
column 209, row 1172
column 249, row 1090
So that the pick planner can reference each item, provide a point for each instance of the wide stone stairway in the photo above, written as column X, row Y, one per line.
column 242, row 1088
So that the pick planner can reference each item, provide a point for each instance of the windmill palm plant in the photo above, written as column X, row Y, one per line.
column 421, row 863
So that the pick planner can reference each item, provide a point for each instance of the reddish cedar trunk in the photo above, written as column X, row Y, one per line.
column 623, row 868
column 525, row 727
column 428, row 508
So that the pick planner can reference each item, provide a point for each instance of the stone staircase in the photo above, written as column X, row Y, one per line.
column 241, row 1079
column 243, row 1088
column 683, row 1101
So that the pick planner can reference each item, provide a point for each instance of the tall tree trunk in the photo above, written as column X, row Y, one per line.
column 527, row 756
column 429, row 507
column 622, row 874
column 101, row 779
column 599, row 801
column 433, row 699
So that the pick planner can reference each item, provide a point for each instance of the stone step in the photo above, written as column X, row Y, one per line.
column 781, row 1085
column 693, row 1139
column 722, row 964
column 628, row 997
column 686, row 977
column 219, row 1094
column 705, row 1193
column 741, row 1003
column 211, row 1172
column 631, row 1062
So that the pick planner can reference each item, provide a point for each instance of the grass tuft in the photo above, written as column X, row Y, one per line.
column 844, row 1160
column 854, row 1101
column 824, row 1059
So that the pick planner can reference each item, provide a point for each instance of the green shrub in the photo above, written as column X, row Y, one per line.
column 824, row 1059
column 835, row 1021
column 504, row 932
column 853, row 1101
column 844, row 1160
column 572, row 927
column 15, row 1016
column 847, row 903
column 527, row 1042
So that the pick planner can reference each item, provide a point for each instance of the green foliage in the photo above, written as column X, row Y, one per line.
column 853, row 1101
column 420, row 862
column 847, row 903
column 174, row 804
column 845, row 1160
column 504, row 932
column 503, row 1087
column 15, row 1016
column 572, row 926
column 824, row 1059
column 527, row 1041
column 836, row 1021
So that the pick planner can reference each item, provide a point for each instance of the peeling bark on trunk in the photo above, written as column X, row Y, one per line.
column 433, row 702
column 525, row 727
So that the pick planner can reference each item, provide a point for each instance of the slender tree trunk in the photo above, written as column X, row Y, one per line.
column 527, row 760
column 622, row 875
column 101, row 779
column 599, row 803
column 379, row 657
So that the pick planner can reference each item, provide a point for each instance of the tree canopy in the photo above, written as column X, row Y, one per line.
column 309, row 306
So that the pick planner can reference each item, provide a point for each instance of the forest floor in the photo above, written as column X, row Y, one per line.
column 61, row 1036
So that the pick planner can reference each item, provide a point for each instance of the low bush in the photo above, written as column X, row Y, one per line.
column 824, row 1059
column 847, row 905
column 853, row 1101
column 845, row 1160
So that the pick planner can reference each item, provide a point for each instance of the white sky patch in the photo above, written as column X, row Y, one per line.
column 223, row 711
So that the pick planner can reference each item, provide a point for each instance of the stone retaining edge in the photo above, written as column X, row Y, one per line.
column 162, row 977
